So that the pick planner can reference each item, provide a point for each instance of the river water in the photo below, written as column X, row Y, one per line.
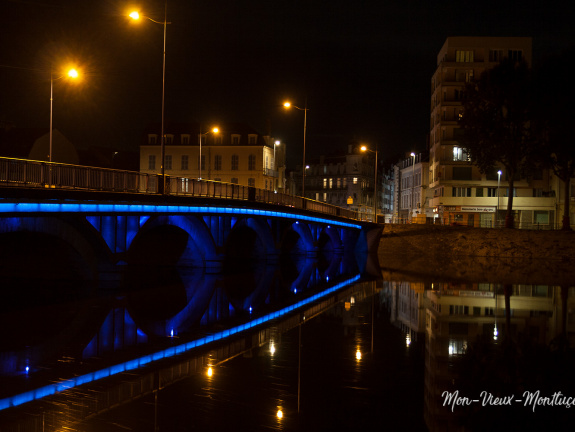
column 306, row 345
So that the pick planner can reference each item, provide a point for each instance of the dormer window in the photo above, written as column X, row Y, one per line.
column 152, row 139
column 169, row 139
column 252, row 139
column 186, row 139
column 235, row 139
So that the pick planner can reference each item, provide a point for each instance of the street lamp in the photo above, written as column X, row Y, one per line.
column 72, row 73
column 364, row 148
column 303, row 166
column 214, row 130
column 135, row 16
column 498, row 180
column 276, row 143
column 412, row 187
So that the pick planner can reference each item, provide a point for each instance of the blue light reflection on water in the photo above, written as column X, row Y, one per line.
column 51, row 389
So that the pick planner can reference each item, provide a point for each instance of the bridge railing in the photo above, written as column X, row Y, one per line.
column 27, row 173
column 39, row 174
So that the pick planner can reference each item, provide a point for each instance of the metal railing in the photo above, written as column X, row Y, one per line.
column 38, row 174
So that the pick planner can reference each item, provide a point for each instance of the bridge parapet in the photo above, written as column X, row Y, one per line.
column 29, row 174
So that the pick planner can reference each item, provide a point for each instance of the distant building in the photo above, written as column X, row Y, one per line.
column 236, row 154
column 346, row 180
column 460, row 192
column 413, row 193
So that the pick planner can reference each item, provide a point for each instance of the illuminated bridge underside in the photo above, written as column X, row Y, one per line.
column 117, row 232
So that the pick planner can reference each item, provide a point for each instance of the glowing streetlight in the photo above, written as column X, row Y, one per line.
column 358, row 355
column 364, row 149
column 73, row 74
column 136, row 16
column 288, row 105
column 214, row 130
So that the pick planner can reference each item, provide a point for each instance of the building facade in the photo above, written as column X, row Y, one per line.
column 345, row 180
column 235, row 154
column 413, row 193
column 461, row 194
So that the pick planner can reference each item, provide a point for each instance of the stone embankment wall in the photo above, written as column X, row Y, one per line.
column 478, row 254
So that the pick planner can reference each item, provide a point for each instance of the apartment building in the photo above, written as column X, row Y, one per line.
column 460, row 193
column 235, row 154
column 413, row 193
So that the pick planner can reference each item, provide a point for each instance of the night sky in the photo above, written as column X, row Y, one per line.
column 364, row 67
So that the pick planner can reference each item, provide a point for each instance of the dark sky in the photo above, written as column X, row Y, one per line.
column 363, row 66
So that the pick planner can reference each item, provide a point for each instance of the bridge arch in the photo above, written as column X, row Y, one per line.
column 199, row 248
column 249, row 239
column 298, row 239
column 330, row 240
column 78, row 239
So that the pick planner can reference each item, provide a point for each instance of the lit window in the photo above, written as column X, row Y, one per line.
column 355, row 180
column 331, row 183
column 464, row 56
column 460, row 154
column 541, row 217
column 324, row 183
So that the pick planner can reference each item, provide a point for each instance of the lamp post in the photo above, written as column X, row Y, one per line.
column 303, row 166
column 136, row 16
column 364, row 148
column 72, row 73
column 412, row 187
column 214, row 130
column 498, row 180
column 276, row 143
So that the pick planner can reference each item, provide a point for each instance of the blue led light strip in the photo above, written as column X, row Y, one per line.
column 57, row 387
column 146, row 208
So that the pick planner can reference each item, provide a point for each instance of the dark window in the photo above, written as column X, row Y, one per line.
column 462, row 173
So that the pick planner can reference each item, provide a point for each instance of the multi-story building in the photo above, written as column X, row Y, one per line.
column 344, row 180
column 460, row 192
column 235, row 154
column 387, row 206
column 413, row 193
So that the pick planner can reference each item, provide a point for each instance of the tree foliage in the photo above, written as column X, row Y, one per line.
column 497, row 122
column 555, row 114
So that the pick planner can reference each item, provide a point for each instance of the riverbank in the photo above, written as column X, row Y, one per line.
column 464, row 254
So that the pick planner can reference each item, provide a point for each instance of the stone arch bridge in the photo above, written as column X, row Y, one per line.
column 103, row 230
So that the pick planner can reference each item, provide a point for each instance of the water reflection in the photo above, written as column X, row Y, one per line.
column 491, row 347
column 365, row 356
column 161, row 309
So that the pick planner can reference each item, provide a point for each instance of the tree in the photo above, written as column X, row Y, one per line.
column 497, row 116
column 555, row 114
